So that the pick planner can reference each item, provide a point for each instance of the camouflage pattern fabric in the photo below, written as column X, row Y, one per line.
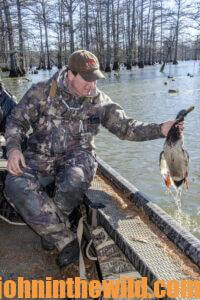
column 49, row 216
column 62, row 146
column 66, row 123
column 7, row 103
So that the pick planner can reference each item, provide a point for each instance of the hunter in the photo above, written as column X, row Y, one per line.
column 65, row 114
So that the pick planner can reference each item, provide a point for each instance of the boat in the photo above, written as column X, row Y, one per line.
column 131, row 237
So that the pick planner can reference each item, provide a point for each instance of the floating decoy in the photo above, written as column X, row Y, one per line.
column 173, row 91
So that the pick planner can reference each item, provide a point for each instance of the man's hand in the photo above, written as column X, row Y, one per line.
column 16, row 162
column 168, row 124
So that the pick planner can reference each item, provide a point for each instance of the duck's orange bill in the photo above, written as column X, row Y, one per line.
column 168, row 181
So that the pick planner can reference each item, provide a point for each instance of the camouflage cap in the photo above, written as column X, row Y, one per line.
column 86, row 64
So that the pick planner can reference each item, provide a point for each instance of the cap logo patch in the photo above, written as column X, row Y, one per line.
column 91, row 62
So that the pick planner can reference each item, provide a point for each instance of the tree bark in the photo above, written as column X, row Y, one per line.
column 65, row 39
column 21, row 40
column 175, row 62
column 108, row 50
column 147, row 44
column 60, row 34
column 42, row 62
column 3, row 39
column 81, row 27
column 133, row 33
column 141, row 56
column 46, row 34
column 99, row 34
column 129, row 42
column 161, row 31
column 14, row 69
column 153, row 57
column 115, row 34
column 102, row 42
column 87, row 41
column 70, row 8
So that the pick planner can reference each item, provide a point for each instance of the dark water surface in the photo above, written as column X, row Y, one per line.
column 144, row 96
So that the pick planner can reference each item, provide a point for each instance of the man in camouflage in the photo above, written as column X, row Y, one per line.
column 65, row 114
column 7, row 103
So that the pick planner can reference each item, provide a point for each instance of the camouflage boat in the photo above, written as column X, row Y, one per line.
column 131, row 237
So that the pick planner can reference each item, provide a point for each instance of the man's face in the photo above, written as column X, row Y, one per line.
column 79, row 86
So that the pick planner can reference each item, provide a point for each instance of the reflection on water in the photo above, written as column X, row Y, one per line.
column 144, row 96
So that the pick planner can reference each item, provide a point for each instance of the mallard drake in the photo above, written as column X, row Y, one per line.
column 174, row 159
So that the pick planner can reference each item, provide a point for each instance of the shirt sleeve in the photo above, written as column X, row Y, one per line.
column 115, row 120
column 22, row 117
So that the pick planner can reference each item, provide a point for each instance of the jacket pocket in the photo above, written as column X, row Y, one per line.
column 58, row 140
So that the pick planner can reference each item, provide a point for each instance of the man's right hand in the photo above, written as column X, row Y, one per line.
column 16, row 162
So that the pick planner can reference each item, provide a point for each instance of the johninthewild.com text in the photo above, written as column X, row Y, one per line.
column 78, row 288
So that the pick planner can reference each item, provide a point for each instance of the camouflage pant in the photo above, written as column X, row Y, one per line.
column 49, row 216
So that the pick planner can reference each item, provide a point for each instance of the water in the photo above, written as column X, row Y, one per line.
column 144, row 97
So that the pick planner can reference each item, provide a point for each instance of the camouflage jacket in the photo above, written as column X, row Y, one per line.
column 63, row 123
column 7, row 103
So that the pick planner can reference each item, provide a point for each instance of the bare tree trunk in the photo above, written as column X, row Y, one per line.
column 87, row 41
column 115, row 38
column 133, row 33
column 169, row 46
column 175, row 62
column 91, row 38
column 182, row 51
column 153, row 36
column 99, row 34
column 46, row 34
column 3, row 57
column 196, row 49
column 150, row 48
column 60, row 34
column 42, row 63
column 71, row 32
column 102, row 42
column 161, row 31
column 14, row 70
column 65, row 39
column 97, row 31
column 147, row 44
column 70, row 8
column 81, row 27
column 21, row 40
column 108, row 50
column 123, row 34
column 129, row 46
column 141, row 55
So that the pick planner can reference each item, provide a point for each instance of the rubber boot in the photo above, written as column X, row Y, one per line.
column 69, row 254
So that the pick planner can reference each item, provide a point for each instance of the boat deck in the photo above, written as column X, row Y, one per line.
column 21, row 254
column 147, row 247
column 126, row 240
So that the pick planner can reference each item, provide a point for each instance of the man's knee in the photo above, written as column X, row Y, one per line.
column 20, row 192
column 14, row 186
column 70, row 189
column 74, row 181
